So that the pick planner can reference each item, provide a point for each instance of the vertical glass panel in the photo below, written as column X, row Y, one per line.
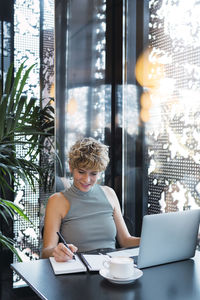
column 87, row 97
column 132, row 127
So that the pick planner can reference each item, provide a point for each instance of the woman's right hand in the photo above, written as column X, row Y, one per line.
column 61, row 253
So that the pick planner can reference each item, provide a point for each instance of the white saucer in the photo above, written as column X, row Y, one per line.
column 105, row 273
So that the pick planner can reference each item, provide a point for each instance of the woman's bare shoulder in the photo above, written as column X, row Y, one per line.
column 58, row 200
column 108, row 189
column 56, row 196
column 110, row 194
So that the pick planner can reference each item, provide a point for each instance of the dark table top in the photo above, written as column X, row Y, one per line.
column 174, row 281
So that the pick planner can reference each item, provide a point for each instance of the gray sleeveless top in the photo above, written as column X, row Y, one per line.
column 89, row 224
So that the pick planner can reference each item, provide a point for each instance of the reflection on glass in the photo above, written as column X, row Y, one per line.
column 87, row 100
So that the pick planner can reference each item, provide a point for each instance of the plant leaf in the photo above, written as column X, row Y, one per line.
column 19, row 111
column 3, row 107
column 22, row 84
column 7, row 242
column 30, row 105
column 14, row 89
column 15, row 209
column 9, row 79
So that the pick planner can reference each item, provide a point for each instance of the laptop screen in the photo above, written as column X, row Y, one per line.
column 168, row 237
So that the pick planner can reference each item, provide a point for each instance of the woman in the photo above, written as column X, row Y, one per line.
column 87, row 215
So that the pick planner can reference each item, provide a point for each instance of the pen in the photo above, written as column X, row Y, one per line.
column 63, row 240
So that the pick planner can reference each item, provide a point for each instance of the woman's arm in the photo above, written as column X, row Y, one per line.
column 57, row 207
column 123, row 236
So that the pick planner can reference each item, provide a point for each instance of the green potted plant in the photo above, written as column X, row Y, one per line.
column 23, row 123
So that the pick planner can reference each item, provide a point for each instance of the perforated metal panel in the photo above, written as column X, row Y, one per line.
column 34, row 41
column 173, row 130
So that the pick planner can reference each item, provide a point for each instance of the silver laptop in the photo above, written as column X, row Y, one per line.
column 168, row 237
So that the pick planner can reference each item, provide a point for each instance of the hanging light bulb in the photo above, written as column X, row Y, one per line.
column 149, row 71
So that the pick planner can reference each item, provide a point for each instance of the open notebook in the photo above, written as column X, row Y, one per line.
column 92, row 262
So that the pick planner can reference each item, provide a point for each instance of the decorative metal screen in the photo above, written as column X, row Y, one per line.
column 26, row 46
column 47, row 92
column 173, row 129
column 33, row 41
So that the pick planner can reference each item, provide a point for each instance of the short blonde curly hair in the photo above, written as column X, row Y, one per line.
column 89, row 153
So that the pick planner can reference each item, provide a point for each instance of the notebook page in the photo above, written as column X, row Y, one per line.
column 71, row 266
column 94, row 261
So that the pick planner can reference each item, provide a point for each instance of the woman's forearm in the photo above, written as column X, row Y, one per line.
column 131, row 241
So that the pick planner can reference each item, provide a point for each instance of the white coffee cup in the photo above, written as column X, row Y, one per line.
column 120, row 267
